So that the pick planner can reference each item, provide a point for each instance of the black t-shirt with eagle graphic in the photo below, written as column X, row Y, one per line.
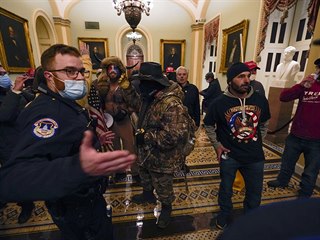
column 238, row 124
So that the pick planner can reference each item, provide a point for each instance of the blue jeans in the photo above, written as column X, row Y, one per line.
column 311, row 150
column 253, row 177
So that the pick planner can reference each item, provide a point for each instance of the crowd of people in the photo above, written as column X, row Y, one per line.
column 80, row 132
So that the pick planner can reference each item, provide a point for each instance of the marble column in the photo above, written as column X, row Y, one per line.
column 197, row 44
column 63, row 30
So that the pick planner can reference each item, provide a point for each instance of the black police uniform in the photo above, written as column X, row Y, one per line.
column 45, row 166
column 10, row 106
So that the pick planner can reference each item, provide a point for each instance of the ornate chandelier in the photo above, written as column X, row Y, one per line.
column 132, row 10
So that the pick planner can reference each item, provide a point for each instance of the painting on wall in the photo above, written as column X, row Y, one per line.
column 15, row 46
column 233, row 44
column 98, row 48
column 172, row 53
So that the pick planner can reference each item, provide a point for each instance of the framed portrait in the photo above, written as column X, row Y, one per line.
column 172, row 53
column 15, row 46
column 234, row 42
column 98, row 48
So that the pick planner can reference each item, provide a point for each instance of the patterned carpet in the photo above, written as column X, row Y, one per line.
column 198, row 201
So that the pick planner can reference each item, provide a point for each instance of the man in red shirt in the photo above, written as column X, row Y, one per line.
column 304, row 136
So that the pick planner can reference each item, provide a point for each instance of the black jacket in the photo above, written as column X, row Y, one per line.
column 210, row 93
column 45, row 163
column 10, row 106
column 192, row 102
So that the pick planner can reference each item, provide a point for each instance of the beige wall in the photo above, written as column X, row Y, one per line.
column 233, row 12
column 167, row 20
column 314, row 50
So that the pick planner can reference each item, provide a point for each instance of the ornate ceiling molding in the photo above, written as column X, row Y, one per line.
column 196, row 8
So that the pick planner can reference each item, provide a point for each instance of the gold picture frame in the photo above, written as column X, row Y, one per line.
column 172, row 53
column 98, row 48
column 15, row 46
column 231, row 45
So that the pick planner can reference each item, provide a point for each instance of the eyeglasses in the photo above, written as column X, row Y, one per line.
column 73, row 72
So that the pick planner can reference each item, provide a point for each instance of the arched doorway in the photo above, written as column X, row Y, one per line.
column 44, row 34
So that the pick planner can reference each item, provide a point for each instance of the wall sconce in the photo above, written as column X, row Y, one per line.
column 134, row 36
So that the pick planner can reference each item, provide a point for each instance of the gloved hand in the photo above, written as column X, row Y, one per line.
column 140, row 136
column 124, row 81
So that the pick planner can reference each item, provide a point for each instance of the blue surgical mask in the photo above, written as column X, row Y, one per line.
column 73, row 89
column 5, row 81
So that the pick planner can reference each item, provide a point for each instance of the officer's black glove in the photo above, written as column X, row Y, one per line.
column 140, row 137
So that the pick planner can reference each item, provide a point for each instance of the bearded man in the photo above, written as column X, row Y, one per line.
column 119, row 100
column 236, row 123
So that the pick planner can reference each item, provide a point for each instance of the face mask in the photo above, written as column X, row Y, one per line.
column 149, row 89
column 252, row 77
column 73, row 89
column 5, row 81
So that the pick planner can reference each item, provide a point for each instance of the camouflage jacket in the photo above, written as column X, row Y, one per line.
column 165, row 127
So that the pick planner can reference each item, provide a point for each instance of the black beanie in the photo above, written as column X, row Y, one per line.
column 235, row 69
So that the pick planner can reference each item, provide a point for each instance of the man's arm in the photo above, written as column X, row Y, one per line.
column 11, row 105
column 9, row 108
column 290, row 94
column 41, row 179
column 212, row 135
column 87, row 64
column 264, row 129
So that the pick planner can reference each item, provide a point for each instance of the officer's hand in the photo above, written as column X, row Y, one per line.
column 124, row 81
column 98, row 164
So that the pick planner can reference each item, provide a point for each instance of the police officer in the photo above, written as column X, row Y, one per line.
column 54, row 159
column 12, row 101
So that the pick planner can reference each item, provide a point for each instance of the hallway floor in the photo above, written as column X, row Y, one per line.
column 193, row 207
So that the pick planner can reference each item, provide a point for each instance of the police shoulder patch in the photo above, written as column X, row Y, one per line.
column 45, row 128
